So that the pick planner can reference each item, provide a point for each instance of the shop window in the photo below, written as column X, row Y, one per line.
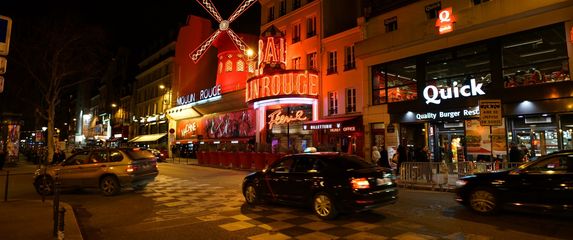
column 228, row 66
column 391, row 24
column 311, row 61
column 240, row 66
column 220, row 67
column 332, row 103
column 433, row 9
column 535, row 57
column 296, row 33
column 349, row 60
column 296, row 63
column 394, row 82
column 332, row 61
column 311, row 26
column 459, row 66
column 350, row 100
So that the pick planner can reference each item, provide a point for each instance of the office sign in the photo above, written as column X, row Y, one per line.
column 490, row 112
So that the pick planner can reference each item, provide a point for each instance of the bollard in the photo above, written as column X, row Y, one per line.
column 6, row 186
column 61, row 223
column 56, row 203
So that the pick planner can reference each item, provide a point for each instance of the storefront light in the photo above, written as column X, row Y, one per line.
column 280, row 101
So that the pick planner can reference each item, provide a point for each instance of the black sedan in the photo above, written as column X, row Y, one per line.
column 544, row 185
column 328, row 182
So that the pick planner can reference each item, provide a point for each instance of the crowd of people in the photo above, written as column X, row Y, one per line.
column 520, row 154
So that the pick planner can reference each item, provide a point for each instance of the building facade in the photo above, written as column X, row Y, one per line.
column 430, row 65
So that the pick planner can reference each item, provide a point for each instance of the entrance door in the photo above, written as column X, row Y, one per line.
column 539, row 142
column 450, row 144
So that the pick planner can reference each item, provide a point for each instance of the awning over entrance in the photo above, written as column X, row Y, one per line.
column 332, row 123
column 148, row 138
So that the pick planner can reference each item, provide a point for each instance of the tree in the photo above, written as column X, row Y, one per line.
column 57, row 52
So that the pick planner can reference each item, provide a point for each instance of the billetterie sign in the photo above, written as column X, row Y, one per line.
column 434, row 95
column 281, row 84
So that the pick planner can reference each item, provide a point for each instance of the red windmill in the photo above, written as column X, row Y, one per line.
column 223, row 27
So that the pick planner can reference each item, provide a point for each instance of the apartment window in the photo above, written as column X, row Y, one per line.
column 478, row 2
column 394, row 82
column 296, row 63
column 332, row 60
column 349, row 61
column 271, row 13
column 251, row 67
column 240, row 66
column 332, row 103
column 282, row 8
column 311, row 61
column 296, row 33
column 350, row 100
column 433, row 9
column 391, row 24
column 295, row 4
column 228, row 66
column 311, row 26
column 220, row 67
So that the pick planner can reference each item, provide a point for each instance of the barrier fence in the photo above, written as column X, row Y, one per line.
column 444, row 175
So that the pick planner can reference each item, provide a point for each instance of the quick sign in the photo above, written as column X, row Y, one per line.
column 446, row 20
column 434, row 95
column 448, row 114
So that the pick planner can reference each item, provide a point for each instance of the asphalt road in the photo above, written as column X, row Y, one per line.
column 192, row 202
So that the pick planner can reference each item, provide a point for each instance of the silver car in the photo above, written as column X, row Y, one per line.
column 110, row 170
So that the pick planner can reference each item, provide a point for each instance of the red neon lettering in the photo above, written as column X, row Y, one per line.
column 288, row 83
column 255, row 89
column 276, row 85
column 265, row 91
column 313, row 84
column 261, row 45
column 283, row 50
column 302, row 84
column 270, row 53
column 276, row 118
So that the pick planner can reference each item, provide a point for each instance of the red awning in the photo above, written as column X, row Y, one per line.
column 329, row 123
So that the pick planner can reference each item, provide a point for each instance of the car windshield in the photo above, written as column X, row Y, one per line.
column 138, row 154
column 352, row 162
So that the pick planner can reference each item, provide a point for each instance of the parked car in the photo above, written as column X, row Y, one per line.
column 328, row 182
column 544, row 185
column 110, row 170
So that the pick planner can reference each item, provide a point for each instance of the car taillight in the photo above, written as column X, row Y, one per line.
column 131, row 168
column 359, row 183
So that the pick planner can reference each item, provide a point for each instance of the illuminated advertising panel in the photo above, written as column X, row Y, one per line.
column 287, row 83
column 446, row 20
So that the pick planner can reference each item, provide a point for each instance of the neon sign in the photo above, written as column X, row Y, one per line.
column 289, row 83
column 276, row 118
column 189, row 128
column 434, row 95
column 203, row 95
column 446, row 20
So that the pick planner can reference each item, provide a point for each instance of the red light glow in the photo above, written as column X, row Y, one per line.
column 446, row 20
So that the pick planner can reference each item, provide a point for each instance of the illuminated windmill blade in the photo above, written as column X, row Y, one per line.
column 202, row 48
column 238, row 41
column 241, row 9
column 210, row 7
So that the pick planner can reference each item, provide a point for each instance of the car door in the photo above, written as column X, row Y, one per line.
column 94, row 167
column 277, row 179
column 538, row 183
column 70, row 174
column 558, row 182
column 303, row 178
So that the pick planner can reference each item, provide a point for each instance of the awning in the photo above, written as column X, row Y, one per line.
column 148, row 138
column 332, row 123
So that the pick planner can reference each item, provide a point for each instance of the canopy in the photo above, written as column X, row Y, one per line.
column 148, row 137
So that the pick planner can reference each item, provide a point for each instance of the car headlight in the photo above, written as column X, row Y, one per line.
column 461, row 183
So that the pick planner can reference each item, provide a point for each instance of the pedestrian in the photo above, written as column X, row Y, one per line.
column 2, row 157
column 383, row 162
column 402, row 155
column 515, row 154
column 375, row 154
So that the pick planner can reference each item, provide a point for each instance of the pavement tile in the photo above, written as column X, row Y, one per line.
column 319, row 236
column 413, row 236
column 340, row 231
column 175, row 204
column 360, row 226
column 365, row 236
column 318, row 226
column 236, row 226
column 298, row 220
column 270, row 236
column 295, row 231
column 281, row 216
column 276, row 226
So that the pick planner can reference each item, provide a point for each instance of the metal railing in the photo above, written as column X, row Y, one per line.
column 438, row 175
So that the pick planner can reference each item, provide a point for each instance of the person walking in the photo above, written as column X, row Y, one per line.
column 402, row 155
column 383, row 162
column 2, row 157
column 515, row 154
column 375, row 155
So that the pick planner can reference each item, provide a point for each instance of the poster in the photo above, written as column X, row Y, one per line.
column 13, row 140
column 478, row 143
column 498, row 139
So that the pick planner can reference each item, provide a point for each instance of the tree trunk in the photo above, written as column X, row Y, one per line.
column 51, row 129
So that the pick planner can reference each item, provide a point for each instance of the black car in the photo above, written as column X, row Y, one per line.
column 328, row 182
column 544, row 185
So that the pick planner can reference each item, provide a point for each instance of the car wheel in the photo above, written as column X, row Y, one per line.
column 109, row 186
column 483, row 201
column 323, row 206
column 251, row 195
column 44, row 185
column 139, row 187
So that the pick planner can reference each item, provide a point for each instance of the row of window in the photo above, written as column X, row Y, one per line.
column 156, row 74
column 350, row 101
column 310, row 29
column 295, row 4
column 239, row 66
column 349, row 60
column 527, row 58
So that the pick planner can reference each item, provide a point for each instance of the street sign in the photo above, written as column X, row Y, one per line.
column 490, row 112
column 5, row 30
column 1, row 84
column 3, row 65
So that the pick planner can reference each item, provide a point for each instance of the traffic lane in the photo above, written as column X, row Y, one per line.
column 219, row 176
column 439, row 210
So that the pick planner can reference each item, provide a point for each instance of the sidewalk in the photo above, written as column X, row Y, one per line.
column 31, row 219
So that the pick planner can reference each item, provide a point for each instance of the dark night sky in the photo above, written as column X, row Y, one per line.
column 137, row 25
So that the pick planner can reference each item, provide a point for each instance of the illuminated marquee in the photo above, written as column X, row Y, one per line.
column 204, row 94
column 276, row 118
column 289, row 83
column 446, row 20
